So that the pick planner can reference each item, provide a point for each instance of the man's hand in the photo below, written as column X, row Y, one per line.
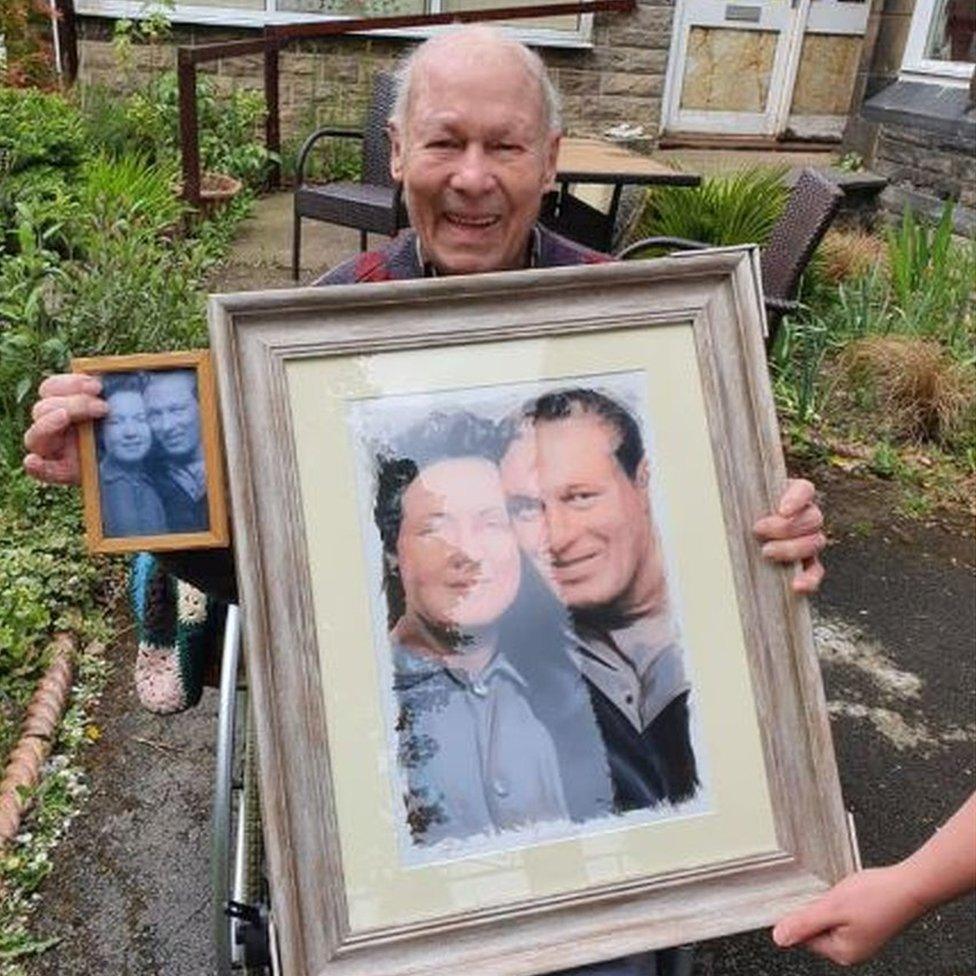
column 854, row 919
column 794, row 534
column 64, row 401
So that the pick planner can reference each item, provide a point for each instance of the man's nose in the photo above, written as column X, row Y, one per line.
column 560, row 530
column 473, row 175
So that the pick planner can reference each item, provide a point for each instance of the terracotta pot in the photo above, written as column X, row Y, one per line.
column 216, row 189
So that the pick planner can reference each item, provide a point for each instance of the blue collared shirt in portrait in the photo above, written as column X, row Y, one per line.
column 477, row 760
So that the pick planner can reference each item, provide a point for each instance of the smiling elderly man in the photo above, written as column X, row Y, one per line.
column 475, row 135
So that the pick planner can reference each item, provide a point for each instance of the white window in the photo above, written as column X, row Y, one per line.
column 941, row 43
column 564, row 31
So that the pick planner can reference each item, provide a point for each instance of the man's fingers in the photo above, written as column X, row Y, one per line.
column 46, row 435
column 795, row 550
column 79, row 407
column 797, row 494
column 57, row 472
column 832, row 947
column 69, row 384
column 805, row 522
column 810, row 577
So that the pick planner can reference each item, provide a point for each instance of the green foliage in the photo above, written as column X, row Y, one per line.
column 738, row 208
column 228, row 127
column 124, row 192
column 924, row 293
column 27, row 61
column 39, row 128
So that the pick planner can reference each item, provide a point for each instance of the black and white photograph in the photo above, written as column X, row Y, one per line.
column 152, row 471
column 523, row 608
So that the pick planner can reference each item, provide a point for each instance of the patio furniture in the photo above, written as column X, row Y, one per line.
column 590, row 160
column 372, row 205
column 811, row 206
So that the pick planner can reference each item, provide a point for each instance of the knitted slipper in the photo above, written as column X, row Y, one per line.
column 179, row 630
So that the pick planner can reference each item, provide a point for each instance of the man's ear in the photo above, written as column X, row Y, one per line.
column 552, row 157
column 396, row 150
column 642, row 476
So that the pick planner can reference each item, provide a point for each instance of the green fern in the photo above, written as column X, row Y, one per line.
column 737, row 208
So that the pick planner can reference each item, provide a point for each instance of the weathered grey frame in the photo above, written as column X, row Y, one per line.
column 254, row 335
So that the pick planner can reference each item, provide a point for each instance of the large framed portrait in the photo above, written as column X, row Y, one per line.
column 152, row 469
column 527, row 696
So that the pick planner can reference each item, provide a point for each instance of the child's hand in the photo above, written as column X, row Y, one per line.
column 853, row 920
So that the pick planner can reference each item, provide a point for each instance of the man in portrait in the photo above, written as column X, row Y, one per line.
column 476, row 757
column 576, row 477
column 179, row 472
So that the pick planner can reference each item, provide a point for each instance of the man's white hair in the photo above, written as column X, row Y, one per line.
column 403, row 78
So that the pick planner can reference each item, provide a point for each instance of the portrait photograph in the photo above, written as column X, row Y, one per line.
column 151, row 467
column 523, row 615
column 525, row 692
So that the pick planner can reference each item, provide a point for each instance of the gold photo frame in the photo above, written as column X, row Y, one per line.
column 154, row 484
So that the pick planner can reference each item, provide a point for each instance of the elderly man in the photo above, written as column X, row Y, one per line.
column 475, row 136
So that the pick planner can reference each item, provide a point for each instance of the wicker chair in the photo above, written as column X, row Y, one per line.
column 811, row 206
column 373, row 205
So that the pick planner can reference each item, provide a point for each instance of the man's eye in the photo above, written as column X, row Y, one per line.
column 581, row 499
column 442, row 144
column 508, row 148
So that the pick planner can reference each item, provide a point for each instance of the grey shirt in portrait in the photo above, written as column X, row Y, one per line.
column 476, row 758
column 639, row 667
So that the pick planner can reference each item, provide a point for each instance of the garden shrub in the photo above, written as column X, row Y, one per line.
column 735, row 208
column 917, row 389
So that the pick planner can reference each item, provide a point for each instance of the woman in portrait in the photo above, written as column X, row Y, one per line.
column 130, row 504
column 484, row 746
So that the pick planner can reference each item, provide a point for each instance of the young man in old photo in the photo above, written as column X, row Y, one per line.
column 179, row 472
column 576, row 477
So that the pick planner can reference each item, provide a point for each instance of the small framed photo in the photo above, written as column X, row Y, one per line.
column 544, row 703
column 152, row 469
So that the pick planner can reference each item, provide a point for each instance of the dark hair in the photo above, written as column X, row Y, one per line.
column 440, row 437
column 561, row 404
column 113, row 383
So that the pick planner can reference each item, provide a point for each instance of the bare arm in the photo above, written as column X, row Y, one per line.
column 859, row 915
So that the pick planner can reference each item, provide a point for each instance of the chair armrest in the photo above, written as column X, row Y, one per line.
column 313, row 138
column 781, row 306
column 674, row 243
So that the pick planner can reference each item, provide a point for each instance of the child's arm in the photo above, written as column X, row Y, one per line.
column 860, row 914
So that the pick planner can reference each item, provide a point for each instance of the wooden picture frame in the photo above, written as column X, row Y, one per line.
column 149, row 528
column 346, row 899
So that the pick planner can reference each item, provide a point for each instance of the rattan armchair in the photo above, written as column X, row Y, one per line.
column 373, row 206
column 811, row 206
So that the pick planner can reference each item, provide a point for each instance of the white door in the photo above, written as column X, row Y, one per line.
column 763, row 67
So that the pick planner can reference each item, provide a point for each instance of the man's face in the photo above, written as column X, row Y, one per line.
column 173, row 413
column 457, row 553
column 474, row 161
column 125, row 430
column 578, row 516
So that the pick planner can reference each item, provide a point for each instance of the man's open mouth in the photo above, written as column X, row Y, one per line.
column 472, row 221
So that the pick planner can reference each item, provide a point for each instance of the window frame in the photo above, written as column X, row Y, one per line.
column 582, row 38
column 915, row 66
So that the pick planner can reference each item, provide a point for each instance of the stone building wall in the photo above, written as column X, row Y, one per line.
column 926, row 155
column 620, row 78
